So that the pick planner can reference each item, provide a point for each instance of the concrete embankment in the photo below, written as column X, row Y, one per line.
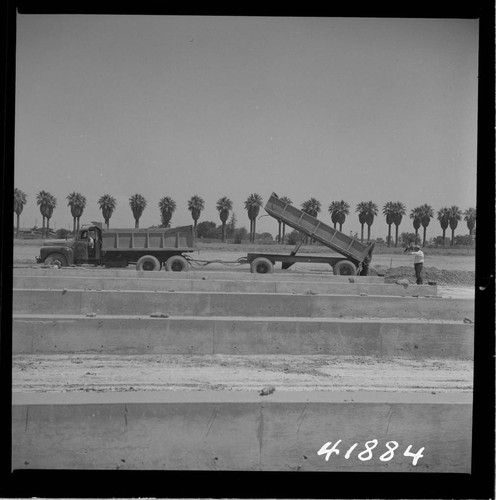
column 236, row 274
column 228, row 429
column 268, row 285
column 243, row 431
column 45, row 334
column 26, row 301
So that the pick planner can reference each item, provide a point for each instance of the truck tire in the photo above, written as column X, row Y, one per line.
column 148, row 263
column 56, row 259
column 176, row 263
column 345, row 268
column 262, row 265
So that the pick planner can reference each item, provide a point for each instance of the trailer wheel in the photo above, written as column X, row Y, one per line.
column 56, row 259
column 345, row 268
column 262, row 265
column 148, row 263
column 176, row 263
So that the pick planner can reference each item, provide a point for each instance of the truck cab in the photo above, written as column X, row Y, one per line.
column 88, row 245
column 85, row 248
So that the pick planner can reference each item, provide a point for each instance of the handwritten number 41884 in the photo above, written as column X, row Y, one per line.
column 328, row 449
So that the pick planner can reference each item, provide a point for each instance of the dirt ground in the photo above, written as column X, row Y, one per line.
column 103, row 373
column 25, row 252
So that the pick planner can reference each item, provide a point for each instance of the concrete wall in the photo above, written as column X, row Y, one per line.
column 145, row 335
column 237, row 304
column 231, row 273
column 239, row 431
column 220, row 285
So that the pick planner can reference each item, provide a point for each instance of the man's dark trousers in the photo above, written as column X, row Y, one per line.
column 418, row 272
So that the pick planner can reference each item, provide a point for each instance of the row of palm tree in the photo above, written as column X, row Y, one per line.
column 338, row 210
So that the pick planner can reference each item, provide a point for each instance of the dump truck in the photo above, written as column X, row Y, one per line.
column 149, row 249
column 354, row 256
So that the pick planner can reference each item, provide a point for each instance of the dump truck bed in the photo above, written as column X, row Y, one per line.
column 311, row 226
column 179, row 238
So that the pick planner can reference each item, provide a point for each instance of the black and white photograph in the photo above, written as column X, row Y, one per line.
column 245, row 243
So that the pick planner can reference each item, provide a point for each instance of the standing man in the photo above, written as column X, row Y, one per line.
column 365, row 266
column 418, row 262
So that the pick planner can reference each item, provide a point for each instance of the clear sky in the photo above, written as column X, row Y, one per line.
column 332, row 108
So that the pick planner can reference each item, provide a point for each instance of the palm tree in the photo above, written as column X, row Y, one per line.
column 137, row 203
column 224, row 205
column 339, row 210
column 41, row 201
column 455, row 215
column 333, row 211
column 426, row 214
column 399, row 212
column 361, row 209
column 49, row 211
column 167, row 207
column 370, row 210
column 45, row 200
column 107, row 204
column 282, row 226
column 389, row 210
column 443, row 218
column 252, row 206
column 311, row 207
column 77, row 203
column 416, row 215
column 470, row 217
column 20, row 199
column 195, row 205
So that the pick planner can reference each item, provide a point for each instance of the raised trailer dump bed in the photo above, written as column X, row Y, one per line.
column 356, row 255
column 318, row 230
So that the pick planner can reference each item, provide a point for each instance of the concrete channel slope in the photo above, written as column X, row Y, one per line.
column 76, row 311
column 86, row 312
column 243, row 431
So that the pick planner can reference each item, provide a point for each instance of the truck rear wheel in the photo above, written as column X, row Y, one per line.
column 262, row 265
column 176, row 263
column 345, row 268
column 148, row 263
column 56, row 259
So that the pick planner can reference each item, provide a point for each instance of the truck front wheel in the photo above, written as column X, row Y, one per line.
column 262, row 265
column 176, row 263
column 148, row 263
column 345, row 268
column 56, row 259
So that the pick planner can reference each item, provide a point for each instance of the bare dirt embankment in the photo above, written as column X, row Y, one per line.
column 440, row 276
column 103, row 373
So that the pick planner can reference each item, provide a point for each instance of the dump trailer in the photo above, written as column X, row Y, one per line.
column 354, row 256
column 149, row 249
